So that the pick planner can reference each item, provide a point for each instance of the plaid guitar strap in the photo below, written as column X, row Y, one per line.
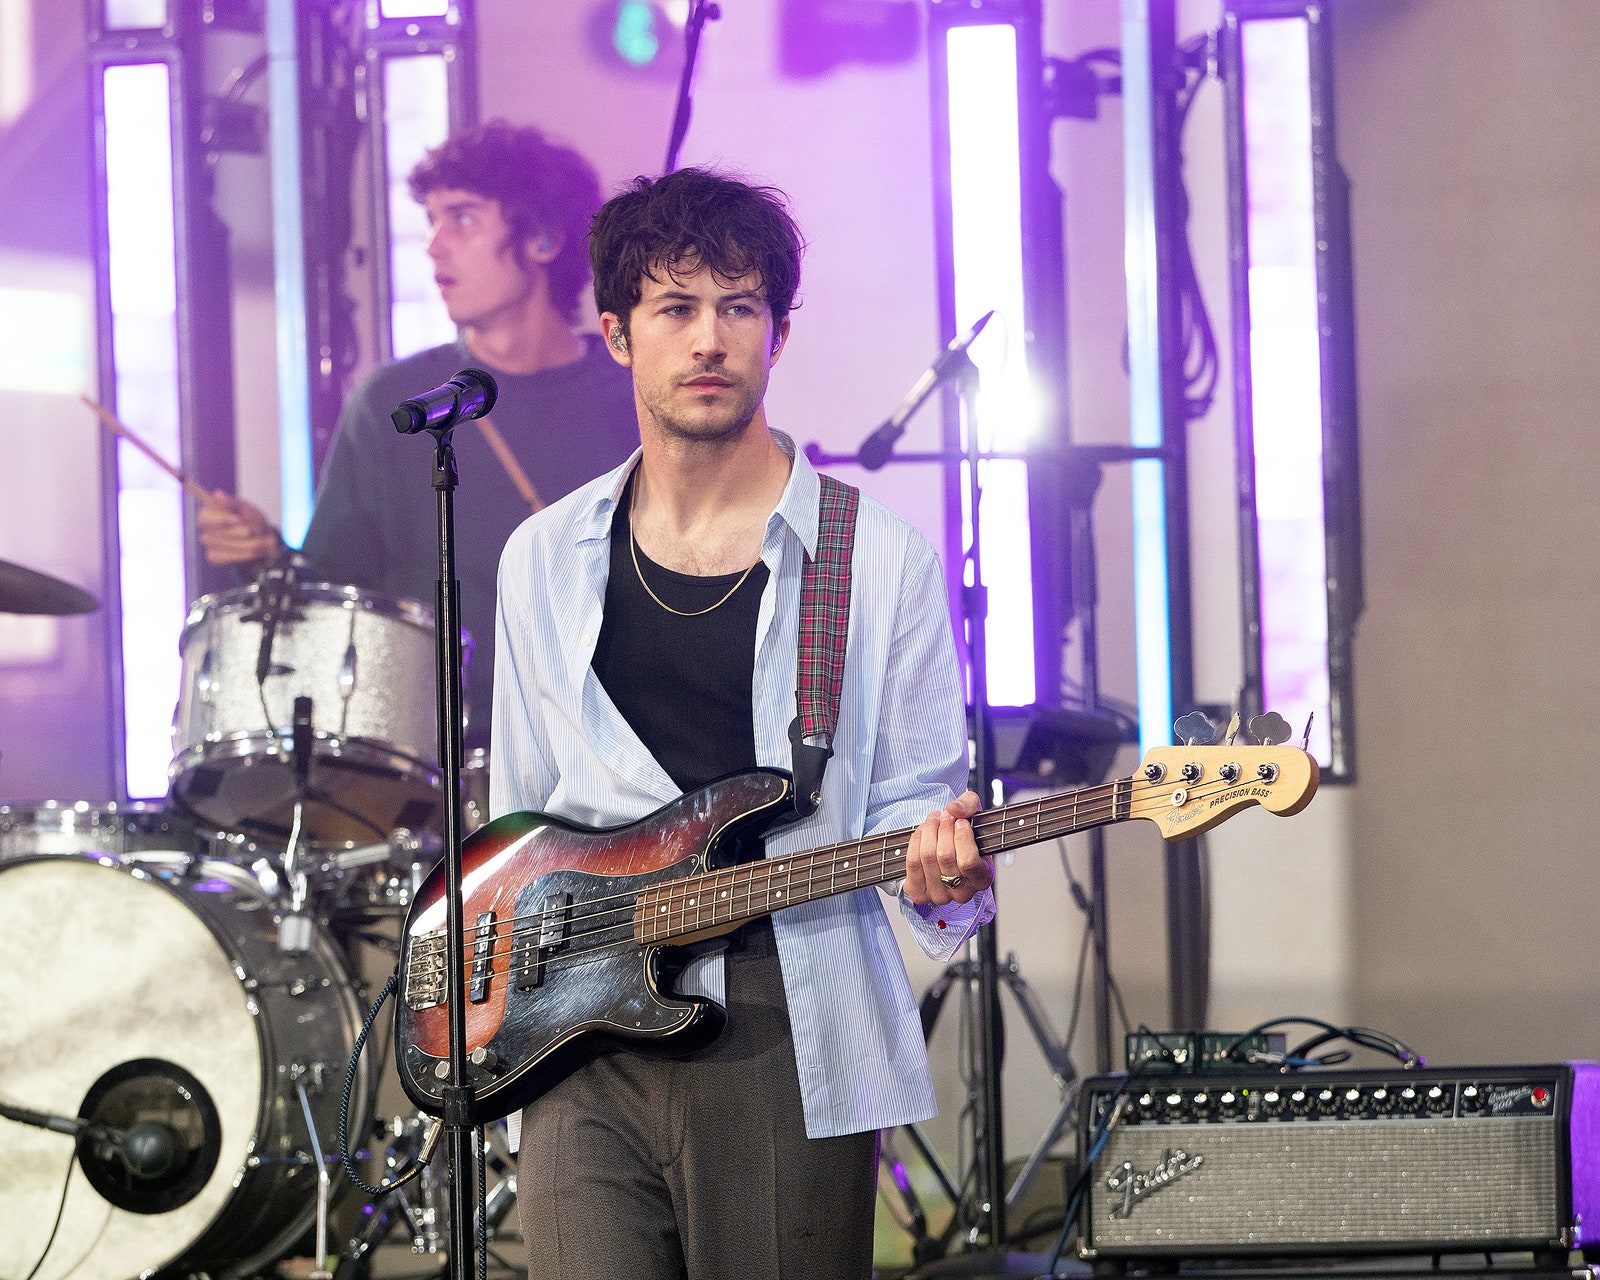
column 824, row 628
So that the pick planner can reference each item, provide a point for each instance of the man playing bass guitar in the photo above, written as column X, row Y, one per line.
column 647, row 643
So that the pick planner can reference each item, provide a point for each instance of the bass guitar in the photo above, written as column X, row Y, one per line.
column 572, row 933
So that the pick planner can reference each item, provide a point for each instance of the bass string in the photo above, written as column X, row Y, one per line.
column 815, row 873
column 1080, row 800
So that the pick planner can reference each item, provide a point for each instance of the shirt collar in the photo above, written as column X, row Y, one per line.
column 797, row 507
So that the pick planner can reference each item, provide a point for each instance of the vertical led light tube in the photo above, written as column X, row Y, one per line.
column 141, row 268
column 1285, row 373
column 1151, row 586
column 297, row 482
column 1293, row 382
column 416, row 117
column 420, row 74
column 987, row 273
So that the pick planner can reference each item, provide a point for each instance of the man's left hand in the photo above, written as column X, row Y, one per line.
column 942, row 861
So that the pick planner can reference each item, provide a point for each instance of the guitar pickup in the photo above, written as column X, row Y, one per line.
column 532, row 945
column 482, row 958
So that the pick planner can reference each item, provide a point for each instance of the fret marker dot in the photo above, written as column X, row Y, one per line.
column 847, row 866
column 662, row 910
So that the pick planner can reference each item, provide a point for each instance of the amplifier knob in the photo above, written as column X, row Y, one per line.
column 1383, row 1102
column 1471, row 1099
column 1437, row 1101
column 1201, row 1104
column 1300, row 1103
column 1273, row 1103
column 1146, row 1105
column 1228, row 1104
column 1172, row 1104
column 1410, row 1101
column 1349, row 1106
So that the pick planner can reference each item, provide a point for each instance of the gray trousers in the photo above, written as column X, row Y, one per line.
column 697, row 1168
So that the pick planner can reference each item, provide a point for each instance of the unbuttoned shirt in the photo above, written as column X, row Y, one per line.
column 899, row 750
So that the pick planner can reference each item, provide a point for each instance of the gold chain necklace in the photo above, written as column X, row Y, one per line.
column 633, row 548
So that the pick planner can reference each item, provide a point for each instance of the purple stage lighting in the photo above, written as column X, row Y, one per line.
column 985, row 272
column 1294, row 387
column 142, row 272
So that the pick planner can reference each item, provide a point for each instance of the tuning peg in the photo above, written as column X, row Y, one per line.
column 1233, row 730
column 1194, row 730
column 1305, row 742
column 1270, row 729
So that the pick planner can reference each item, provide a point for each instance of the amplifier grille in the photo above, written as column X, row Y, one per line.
column 1342, row 1184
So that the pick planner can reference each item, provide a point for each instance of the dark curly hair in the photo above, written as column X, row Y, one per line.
column 689, row 219
column 542, row 188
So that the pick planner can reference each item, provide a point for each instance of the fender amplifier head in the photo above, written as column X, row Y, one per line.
column 1329, row 1163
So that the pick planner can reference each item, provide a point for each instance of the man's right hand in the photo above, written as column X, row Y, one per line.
column 237, row 534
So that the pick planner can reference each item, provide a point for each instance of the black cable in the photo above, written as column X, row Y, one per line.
column 1366, row 1037
column 383, row 1188
column 1089, row 906
column 1095, row 1146
column 60, row 1210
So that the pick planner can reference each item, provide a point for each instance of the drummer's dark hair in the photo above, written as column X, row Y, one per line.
column 543, row 189
column 688, row 220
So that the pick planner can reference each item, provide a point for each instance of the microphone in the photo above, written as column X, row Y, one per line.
column 470, row 394
column 877, row 447
column 146, row 1150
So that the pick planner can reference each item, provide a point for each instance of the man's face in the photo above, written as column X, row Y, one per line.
column 700, row 350
column 474, row 259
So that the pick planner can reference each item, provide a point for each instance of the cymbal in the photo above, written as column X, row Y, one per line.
column 29, row 591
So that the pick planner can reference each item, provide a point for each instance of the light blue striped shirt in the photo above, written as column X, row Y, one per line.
column 900, row 750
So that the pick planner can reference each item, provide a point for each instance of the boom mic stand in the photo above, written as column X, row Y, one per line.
column 470, row 394
column 955, row 365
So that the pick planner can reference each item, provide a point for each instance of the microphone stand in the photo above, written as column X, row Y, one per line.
column 458, row 1094
column 989, row 1133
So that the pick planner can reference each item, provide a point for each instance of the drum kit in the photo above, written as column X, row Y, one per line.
column 183, row 989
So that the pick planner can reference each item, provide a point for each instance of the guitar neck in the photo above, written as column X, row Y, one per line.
column 712, row 902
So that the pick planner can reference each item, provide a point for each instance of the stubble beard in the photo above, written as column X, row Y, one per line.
column 729, row 424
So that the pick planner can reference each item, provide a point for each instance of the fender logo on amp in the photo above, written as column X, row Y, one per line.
column 1133, row 1187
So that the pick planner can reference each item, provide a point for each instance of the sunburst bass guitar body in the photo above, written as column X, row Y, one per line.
column 572, row 934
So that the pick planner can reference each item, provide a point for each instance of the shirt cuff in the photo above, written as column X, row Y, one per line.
column 941, row 931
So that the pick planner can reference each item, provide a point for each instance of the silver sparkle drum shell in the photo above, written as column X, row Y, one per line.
column 365, row 660
column 113, row 966
column 82, row 826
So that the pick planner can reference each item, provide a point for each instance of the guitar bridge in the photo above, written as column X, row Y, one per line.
column 425, row 976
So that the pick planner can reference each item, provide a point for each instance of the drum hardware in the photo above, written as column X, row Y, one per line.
column 324, row 1184
column 294, row 928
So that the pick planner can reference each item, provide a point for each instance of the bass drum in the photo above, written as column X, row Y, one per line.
column 143, row 995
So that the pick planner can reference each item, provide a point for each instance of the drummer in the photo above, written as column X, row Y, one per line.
column 509, row 212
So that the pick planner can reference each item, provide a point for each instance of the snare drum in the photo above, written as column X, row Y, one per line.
column 365, row 661
column 138, row 993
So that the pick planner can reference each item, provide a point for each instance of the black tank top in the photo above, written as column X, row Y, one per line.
column 684, row 684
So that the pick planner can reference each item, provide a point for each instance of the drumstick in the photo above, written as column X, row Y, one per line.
column 106, row 416
column 513, row 468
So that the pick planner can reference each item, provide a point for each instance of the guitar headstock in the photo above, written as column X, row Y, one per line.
column 1189, row 789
